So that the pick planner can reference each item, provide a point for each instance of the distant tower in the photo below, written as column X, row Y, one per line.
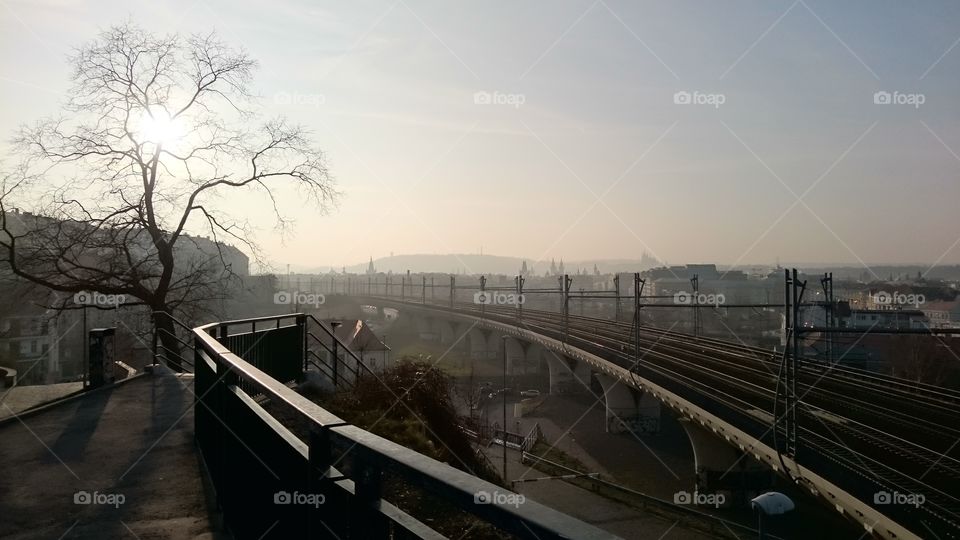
column 370, row 269
column 553, row 267
column 596, row 271
column 561, row 267
column 523, row 269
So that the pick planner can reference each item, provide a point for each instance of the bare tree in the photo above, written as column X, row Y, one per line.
column 926, row 359
column 156, row 132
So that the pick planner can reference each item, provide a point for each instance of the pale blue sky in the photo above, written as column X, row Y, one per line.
column 424, row 169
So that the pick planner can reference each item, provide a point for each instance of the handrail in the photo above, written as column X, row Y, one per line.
column 158, row 345
column 369, row 456
column 182, row 358
column 169, row 315
column 333, row 335
column 353, row 370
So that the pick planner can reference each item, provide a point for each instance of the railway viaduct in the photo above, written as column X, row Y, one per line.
column 727, row 456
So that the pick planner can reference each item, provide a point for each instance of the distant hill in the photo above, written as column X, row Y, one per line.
column 486, row 264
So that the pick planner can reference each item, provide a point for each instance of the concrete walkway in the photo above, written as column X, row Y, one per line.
column 116, row 463
column 20, row 398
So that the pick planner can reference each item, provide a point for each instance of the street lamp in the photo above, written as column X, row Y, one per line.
column 771, row 503
column 503, row 349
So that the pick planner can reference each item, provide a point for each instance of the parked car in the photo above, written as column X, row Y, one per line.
column 530, row 393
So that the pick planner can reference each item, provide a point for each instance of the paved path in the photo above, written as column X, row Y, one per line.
column 20, row 398
column 129, row 447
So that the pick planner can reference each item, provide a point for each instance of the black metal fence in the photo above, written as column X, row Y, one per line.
column 271, row 483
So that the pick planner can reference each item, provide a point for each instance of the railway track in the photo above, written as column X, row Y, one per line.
column 879, row 433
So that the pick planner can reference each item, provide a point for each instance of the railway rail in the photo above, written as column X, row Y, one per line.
column 875, row 433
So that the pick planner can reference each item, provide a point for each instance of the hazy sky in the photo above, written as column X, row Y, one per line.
column 583, row 152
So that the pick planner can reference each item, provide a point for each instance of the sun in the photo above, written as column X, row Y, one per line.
column 157, row 127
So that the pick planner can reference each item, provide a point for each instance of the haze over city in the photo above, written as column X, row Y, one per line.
column 585, row 155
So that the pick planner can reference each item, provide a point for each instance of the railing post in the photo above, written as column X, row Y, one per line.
column 366, row 521
column 302, row 325
column 320, row 461
column 335, row 360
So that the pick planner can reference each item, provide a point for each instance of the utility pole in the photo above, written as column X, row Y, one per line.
column 483, row 295
column 433, row 289
column 453, row 287
column 695, row 282
column 423, row 289
column 503, row 391
column 616, row 289
column 793, row 296
column 519, row 280
column 637, row 293
column 826, row 282
column 566, row 280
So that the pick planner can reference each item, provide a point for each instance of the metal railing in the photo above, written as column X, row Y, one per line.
column 163, row 353
column 331, row 481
